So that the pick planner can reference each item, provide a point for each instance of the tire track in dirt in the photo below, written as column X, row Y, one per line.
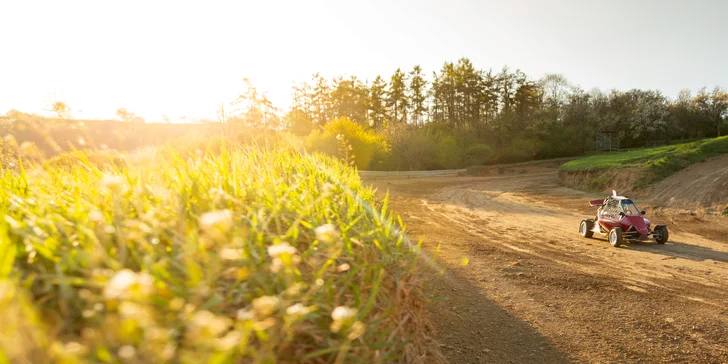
column 592, row 302
column 700, row 185
column 539, row 223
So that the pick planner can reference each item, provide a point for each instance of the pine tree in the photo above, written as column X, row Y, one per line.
column 397, row 97
column 378, row 102
column 417, row 95
column 349, row 98
column 321, row 100
column 469, row 87
column 444, row 95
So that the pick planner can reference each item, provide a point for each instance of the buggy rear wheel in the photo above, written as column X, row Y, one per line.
column 660, row 234
column 585, row 228
column 615, row 237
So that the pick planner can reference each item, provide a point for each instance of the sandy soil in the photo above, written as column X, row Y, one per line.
column 702, row 185
column 514, row 282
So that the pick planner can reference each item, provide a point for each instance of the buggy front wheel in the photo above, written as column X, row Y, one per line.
column 615, row 237
column 660, row 234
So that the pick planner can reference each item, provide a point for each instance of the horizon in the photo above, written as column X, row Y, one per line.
column 140, row 58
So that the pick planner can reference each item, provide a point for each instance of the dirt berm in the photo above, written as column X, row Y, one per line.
column 702, row 186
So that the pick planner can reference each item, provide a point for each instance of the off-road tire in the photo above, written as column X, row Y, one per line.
column 663, row 234
column 615, row 237
column 585, row 228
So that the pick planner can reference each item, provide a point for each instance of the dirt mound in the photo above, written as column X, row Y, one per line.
column 700, row 185
column 624, row 180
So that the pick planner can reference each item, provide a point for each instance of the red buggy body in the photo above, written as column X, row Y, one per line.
column 619, row 219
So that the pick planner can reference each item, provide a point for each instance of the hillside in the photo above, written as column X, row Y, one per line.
column 635, row 170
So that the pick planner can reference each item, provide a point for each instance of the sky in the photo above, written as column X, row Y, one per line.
column 183, row 58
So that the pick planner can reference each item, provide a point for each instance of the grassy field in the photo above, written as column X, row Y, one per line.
column 660, row 162
column 246, row 255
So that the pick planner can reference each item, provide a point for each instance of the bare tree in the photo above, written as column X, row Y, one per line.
column 555, row 89
column 128, row 117
column 714, row 105
column 61, row 109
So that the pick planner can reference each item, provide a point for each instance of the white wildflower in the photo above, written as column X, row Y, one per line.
column 266, row 305
column 231, row 254
column 264, row 324
column 328, row 189
column 245, row 315
column 129, row 309
column 127, row 352
column 282, row 253
column 344, row 267
column 126, row 283
column 112, row 181
column 298, row 310
column 132, row 311
column 145, row 280
column 221, row 219
column 119, row 284
column 155, row 333
column 207, row 324
column 327, row 233
column 295, row 289
column 343, row 313
column 229, row 341
column 280, row 249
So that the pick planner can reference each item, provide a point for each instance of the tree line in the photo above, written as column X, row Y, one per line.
column 460, row 115
column 501, row 106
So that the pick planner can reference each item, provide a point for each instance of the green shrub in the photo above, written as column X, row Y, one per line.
column 368, row 147
column 448, row 153
column 520, row 150
column 245, row 255
column 412, row 149
column 560, row 141
column 477, row 154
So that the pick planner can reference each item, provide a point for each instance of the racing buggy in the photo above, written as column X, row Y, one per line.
column 620, row 219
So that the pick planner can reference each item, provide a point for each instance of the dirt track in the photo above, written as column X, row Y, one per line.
column 533, row 290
